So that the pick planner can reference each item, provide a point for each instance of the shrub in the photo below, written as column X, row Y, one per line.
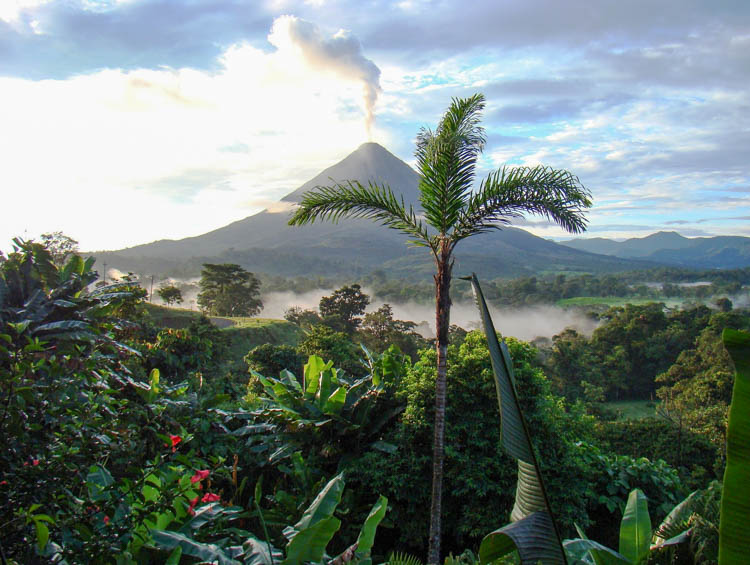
column 479, row 477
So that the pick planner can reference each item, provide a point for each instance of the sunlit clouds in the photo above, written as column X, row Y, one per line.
column 125, row 122
column 134, row 143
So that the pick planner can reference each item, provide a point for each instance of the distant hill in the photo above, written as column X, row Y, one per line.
column 265, row 243
column 670, row 248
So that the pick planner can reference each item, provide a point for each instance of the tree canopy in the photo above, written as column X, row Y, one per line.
column 170, row 294
column 229, row 290
column 342, row 310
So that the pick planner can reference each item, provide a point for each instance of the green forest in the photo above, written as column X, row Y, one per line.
column 135, row 433
column 147, row 433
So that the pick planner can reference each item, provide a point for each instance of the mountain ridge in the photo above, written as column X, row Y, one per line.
column 671, row 248
column 264, row 242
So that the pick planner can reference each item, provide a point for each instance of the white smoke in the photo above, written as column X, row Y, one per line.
column 341, row 55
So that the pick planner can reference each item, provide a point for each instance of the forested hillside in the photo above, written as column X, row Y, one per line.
column 180, row 437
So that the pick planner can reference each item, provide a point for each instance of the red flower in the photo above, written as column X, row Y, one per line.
column 193, row 502
column 106, row 520
column 199, row 476
column 175, row 440
column 35, row 462
column 210, row 497
column 3, row 483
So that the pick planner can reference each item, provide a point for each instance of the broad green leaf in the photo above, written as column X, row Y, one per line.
column 151, row 488
column 635, row 528
column 588, row 551
column 258, row 494
column 309, row 543
column 63, row 326
column 367, row 534
column 207, row 514
column 529, row 494
column 212, row 553
column 335, row 401
column 324, row 504
column 531, row 498
column 384, row 446
column 313, row 368
column 533, row 537
column 42, row 534
column 324, row 388
column 253, row 429
column 174, row 557
column 676, row 522
column 290, row 380
column 260, row 552
column 514, row 437
column 154, row 380
column 734, row 541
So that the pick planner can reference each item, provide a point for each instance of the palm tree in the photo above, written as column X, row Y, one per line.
column 446, row 160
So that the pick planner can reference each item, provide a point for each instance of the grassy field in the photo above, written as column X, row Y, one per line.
column 614, row 301
column 170, row 317
column 251, row 332
column 632, row 409
column 244, row 333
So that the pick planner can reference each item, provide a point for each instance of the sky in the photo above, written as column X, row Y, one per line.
column 128, row 121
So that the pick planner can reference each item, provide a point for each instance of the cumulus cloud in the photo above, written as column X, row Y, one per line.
column 340, row 54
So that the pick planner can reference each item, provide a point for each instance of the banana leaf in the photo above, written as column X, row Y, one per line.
column 734, row 541
column 321, row 508
column 677, row 522
column 366, row 537
column 635, row 528
column 588, row 551
column 168, row 540
column 309, row 544
column 535, row 538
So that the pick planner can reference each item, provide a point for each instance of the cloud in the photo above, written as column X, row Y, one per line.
column 272, row 206
column 78, row 36
column 340, row 54
column 180, row 150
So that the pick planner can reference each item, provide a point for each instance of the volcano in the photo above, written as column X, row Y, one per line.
column 265, row 243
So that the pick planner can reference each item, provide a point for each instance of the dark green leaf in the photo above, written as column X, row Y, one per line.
column 533, row 537
column 734, row 542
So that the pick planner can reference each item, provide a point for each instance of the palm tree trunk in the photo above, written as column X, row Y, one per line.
column 442, row 323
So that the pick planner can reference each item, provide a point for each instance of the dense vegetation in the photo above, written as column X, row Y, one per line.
column 127, row 441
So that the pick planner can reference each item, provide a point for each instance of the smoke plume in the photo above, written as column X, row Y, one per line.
column 340, row 54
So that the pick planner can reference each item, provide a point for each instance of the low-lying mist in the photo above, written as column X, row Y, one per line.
column 524, row 323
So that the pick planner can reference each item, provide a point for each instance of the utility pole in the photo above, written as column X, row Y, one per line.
column 151, row 294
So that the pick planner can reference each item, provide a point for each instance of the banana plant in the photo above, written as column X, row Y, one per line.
column 532, row 532
column 734, row 542
column 637, row 541
column 307, row 539
column 325, row 401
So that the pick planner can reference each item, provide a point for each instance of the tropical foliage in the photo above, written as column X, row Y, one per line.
column 446, row 161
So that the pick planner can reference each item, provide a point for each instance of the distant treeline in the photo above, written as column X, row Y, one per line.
column 656, row 284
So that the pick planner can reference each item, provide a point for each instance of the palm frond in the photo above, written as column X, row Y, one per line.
column 351, row 199
column 401, row 558
column 446, row 159
column 513, row 192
